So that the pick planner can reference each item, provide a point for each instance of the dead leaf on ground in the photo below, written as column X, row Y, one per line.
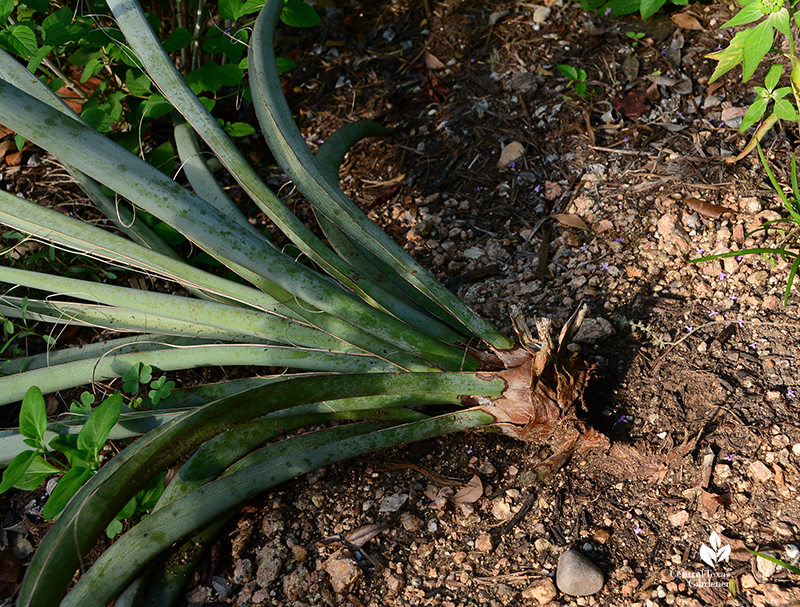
column 570, row 220
column 469, row 493
column 632, row 105
column 14, row 159
column 511, row 153
column 686, row 21
column 358, row 537
column 713, row 501
column 6, row 147
column 432, row 62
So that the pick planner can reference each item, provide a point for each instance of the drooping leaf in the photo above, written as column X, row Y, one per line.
column 16, row 469
column 729, row 57
column 38, row 471
column 68, row 486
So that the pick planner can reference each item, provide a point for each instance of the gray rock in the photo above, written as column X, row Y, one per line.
column 594, row 330
column 578, row 576
column 393, row 503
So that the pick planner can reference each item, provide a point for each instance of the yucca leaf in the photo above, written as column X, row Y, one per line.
column 87, row 515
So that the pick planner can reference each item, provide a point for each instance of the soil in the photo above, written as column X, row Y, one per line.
column 609, row 198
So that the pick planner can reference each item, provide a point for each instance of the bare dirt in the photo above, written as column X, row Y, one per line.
column 695, row 365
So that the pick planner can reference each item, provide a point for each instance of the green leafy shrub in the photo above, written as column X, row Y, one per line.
column 617, row 8
column 749, row 47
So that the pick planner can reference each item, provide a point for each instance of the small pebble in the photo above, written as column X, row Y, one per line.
column 393, row 503
column 765, row 568
column 221, row 586
column 578, row 576
column 542, row 14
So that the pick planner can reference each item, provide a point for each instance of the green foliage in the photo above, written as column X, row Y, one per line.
column 749, row 47
column 79, row 453
column 124, row 94
column 617, row 8
column 576, row 76
column 635, row 37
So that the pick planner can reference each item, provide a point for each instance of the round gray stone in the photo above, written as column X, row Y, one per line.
column 578, row 576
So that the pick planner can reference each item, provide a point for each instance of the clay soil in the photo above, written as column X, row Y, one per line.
column 695, row 365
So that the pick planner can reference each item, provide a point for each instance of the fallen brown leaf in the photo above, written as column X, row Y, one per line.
column 358, row 537
column 632, row 105
column 686, row 21
column 432, row 62
column 511, row 153
column 570, row 220
column 469, row 493
column 713, row 501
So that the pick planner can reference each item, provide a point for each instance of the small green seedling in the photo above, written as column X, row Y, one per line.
column 81, row 451
column 79, row 458
column 635, row 37
column 139, row 374
column 138, row 377
column 576, row 76
column 160, row 389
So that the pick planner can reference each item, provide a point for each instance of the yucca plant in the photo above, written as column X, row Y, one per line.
column 370, row 330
